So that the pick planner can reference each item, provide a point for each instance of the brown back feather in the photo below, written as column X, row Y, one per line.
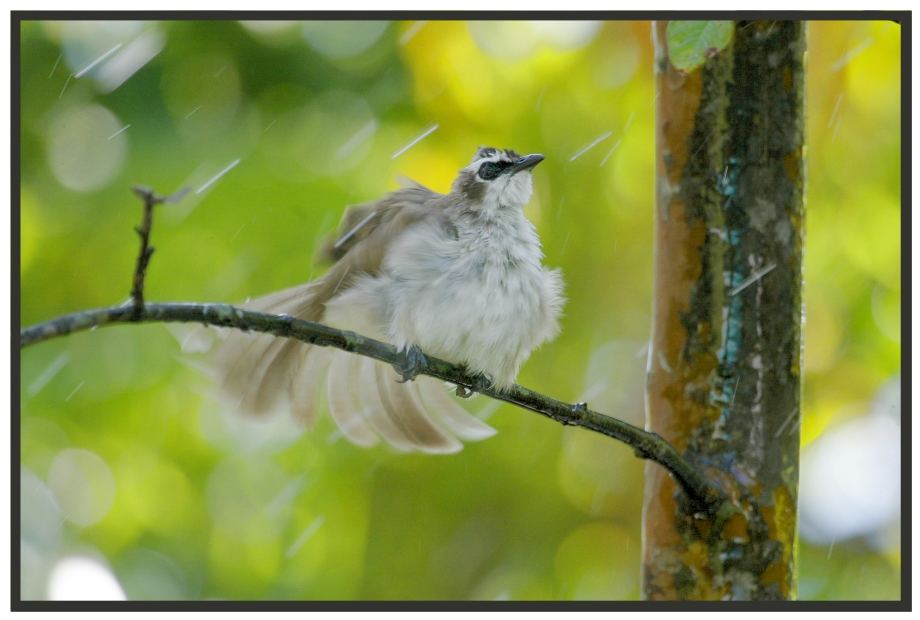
column 366, row 232
column 360, row 221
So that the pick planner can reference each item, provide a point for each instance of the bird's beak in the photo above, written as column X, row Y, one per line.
column 525, row 163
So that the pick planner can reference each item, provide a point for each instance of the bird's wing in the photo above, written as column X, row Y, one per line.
column 361, row 221
column 261, row 373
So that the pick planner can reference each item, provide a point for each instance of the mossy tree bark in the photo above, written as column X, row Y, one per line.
column 724, row 365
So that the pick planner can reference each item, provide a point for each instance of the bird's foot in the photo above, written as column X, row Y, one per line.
column 415, row 363
column 484, row 382
column 481, row 382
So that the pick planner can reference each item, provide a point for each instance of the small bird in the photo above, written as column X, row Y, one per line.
column 458, row 276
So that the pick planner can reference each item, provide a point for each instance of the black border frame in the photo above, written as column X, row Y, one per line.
column 17, row 604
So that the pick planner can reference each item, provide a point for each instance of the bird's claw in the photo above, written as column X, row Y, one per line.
column 415, row 363
column 484, row 382
column 481, row 382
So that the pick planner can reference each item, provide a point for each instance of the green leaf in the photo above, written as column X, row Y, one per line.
column 690, row 43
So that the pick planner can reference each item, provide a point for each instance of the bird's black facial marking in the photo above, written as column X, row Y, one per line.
column 491, row 169
column 503, row 162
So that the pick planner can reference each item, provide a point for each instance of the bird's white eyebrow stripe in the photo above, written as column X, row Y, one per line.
column 495, row 158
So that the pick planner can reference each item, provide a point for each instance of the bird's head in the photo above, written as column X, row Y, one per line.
column 497, row 178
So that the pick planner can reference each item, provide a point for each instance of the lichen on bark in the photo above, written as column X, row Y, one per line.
column 723, row 382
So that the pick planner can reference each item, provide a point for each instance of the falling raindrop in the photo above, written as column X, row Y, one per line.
column 415, row 141
column 306, row 535
column 848, row 57
column 56, row 63
column 128, row 61
column 287, row 495
column 613, row 148
column 539, row 102
column 591, row 145
column 66, row 83
column 91, row 65
column 360, row 137
column 218, row 176
column 49, row 373
column 74, row 391
column 119, row 131
column 629, row 121
column 836, row 110
column 411, row 31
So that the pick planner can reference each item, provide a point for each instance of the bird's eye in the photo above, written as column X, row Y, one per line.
column 489, row 170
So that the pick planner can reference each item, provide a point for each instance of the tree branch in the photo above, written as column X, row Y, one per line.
column 647, row 445
column 703, row 495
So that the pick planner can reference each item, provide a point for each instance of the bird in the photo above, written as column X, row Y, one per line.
column 458, row 276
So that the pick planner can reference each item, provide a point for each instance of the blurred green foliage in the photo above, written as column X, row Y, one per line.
column 128, row 459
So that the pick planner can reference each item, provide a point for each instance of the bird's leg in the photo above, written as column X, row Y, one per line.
column 415, row 362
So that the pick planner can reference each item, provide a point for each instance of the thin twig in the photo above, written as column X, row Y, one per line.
column 647, row 445
column 150, row 200
column 143, row 258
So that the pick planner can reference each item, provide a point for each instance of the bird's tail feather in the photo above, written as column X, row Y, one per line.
column 402, row 404
column 260, row 373
column 256, row 371
column 452, row 416
column 343, row 405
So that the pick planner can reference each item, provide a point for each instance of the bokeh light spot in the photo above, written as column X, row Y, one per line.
column 566, row 34
column 343, row 39
column 79, row 578
column 505, row 40
column 83, row 486
column 41, row 518
column 83, row 152
column 850, row 482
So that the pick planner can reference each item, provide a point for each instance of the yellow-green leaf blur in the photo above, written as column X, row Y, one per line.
column 130, row 466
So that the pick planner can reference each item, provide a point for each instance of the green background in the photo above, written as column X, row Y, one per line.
column 126, row 457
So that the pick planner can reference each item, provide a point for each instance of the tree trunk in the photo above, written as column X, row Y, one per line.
column 724, row 372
